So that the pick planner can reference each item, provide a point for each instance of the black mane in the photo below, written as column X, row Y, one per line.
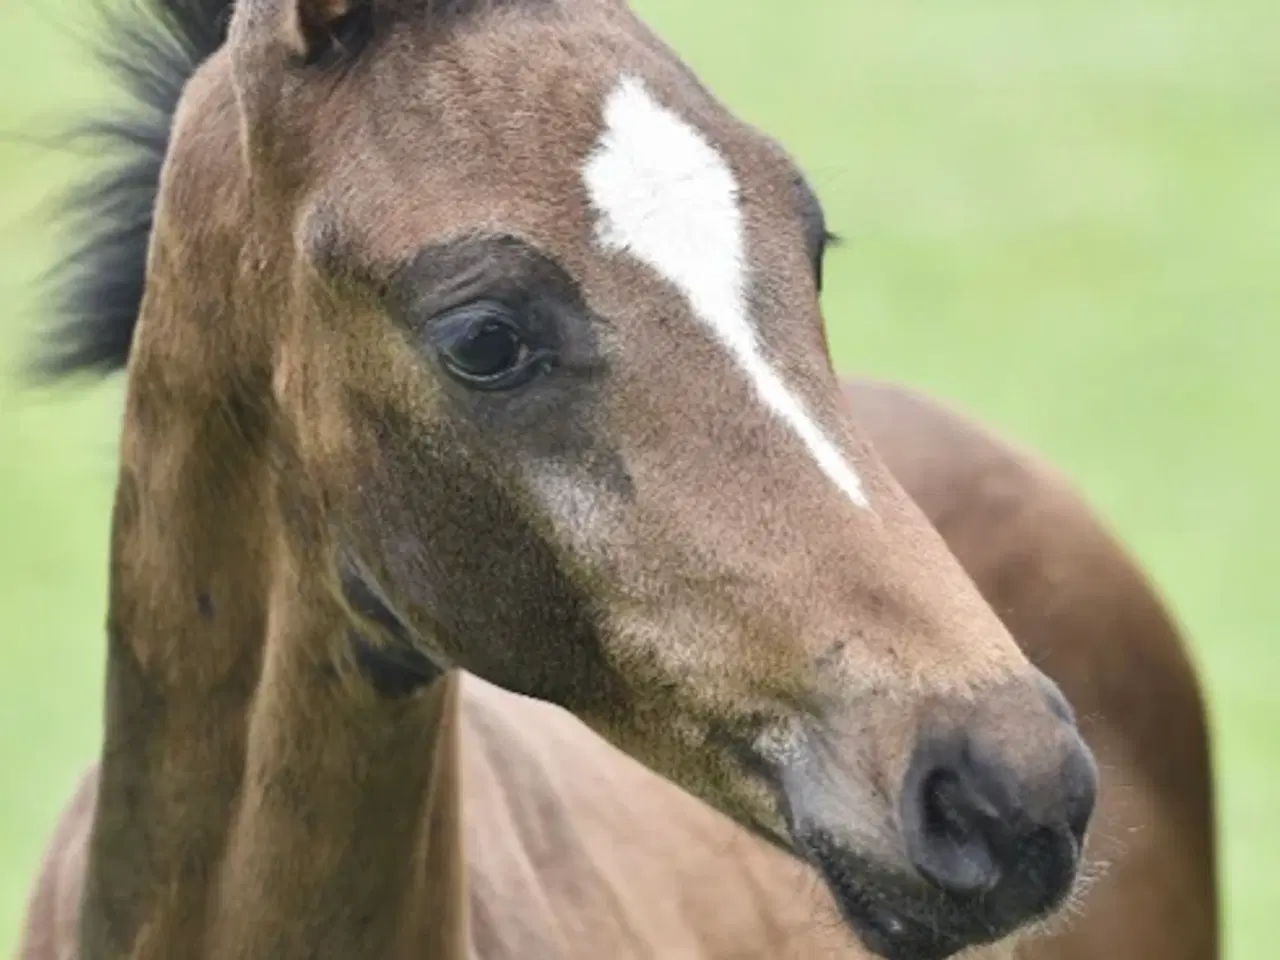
column 151, row 49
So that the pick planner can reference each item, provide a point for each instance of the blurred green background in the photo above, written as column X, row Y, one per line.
column 1063, row 216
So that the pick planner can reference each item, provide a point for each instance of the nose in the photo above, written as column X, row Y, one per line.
column 973, row 826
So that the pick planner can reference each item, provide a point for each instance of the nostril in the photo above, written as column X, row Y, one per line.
column 947, row 830
column 1081, row 779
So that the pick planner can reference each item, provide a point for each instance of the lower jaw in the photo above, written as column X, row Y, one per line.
column 904, row 946
column 920, row 934
column 892, row 937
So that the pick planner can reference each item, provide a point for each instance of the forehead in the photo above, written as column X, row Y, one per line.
column 529, row 125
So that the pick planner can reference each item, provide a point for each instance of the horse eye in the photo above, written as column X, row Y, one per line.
column 481, row 346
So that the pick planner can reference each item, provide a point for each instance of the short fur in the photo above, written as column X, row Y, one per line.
column 230, row 662
column 1076, row 603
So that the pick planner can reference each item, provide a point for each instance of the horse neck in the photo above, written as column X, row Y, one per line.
column 256, row 799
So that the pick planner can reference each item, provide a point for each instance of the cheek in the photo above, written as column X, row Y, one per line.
column 585, row 515
column 686, row 655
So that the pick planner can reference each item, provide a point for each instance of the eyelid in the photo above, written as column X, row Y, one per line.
column 535, row 325
column 465, row 290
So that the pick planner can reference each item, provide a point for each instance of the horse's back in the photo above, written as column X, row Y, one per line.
column 1085, row 614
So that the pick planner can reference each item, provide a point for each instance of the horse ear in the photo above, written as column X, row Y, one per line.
column 322, row 27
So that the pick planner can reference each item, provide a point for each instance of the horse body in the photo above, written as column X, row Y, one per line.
column 479, row 336
column 561, row 847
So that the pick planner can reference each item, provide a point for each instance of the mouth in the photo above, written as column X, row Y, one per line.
column 889, row 932
column 904, row 917
column 893, row 922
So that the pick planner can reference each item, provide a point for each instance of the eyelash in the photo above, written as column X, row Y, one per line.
column 826, row 240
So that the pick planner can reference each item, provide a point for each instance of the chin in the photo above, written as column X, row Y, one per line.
column 900, row 917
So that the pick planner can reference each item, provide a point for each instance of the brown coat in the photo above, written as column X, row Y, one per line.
column 562, row 847
column 572, row 851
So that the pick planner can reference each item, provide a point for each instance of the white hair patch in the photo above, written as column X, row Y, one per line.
column 665, row 195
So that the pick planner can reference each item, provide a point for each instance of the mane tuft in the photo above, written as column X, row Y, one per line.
column 150, row 50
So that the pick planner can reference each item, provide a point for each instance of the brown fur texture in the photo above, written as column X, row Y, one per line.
column 572, row 850
column 398, row 404
column 820, row 671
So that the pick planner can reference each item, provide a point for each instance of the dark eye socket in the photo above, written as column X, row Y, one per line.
column 482, row 346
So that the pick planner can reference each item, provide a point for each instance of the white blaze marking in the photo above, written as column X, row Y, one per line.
column 665, row 195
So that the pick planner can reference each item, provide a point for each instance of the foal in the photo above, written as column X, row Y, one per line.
column 479, row 335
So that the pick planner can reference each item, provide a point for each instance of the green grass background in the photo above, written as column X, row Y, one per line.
column 1064, row 216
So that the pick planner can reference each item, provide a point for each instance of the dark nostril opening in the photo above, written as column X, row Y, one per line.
column 947, row 829
column 977, row 831
column 945, row 813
